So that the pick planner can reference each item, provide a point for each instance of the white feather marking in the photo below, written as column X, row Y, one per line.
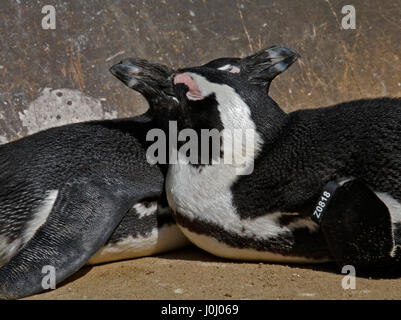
column 8, row 249
column 342, row 181
column 393, row 205
column 280, row 67
column 40, row 215
column 229, row 68
column 225, row 67
column 221, row 249
column 133, row 82
column 206, row 194
column 144, row 211
column 235, row 115
column 166, row 238
column 133, row 69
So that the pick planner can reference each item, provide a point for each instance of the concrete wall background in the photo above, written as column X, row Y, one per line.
column 53, row 77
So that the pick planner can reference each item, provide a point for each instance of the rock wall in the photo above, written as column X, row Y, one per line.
column 52, row 77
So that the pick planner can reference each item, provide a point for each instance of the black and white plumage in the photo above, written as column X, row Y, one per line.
column 266, row 215
column 83, row 193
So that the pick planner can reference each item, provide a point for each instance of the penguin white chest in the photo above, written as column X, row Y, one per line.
column 201, row 192
column 203, row 196
column 204, row 191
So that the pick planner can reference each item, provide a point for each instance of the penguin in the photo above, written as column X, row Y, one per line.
column 84, row 193
column 261, row 206
column 153, row 81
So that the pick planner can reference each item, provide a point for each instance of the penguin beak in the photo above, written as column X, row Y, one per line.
column 125, row 71
column 152, row 80
column 263, row 66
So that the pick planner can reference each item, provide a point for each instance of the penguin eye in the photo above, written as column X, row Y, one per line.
column 227, row 67
column 230, row 68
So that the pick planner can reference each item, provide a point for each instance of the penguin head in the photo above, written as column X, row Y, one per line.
column 186, row 95
column 259, row 68
column 152, row 80
column 233, row 95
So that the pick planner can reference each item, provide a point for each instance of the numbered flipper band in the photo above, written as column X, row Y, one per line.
column 357, row 228
column 324, row 200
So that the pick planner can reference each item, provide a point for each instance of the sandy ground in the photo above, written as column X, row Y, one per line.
column 194, row 274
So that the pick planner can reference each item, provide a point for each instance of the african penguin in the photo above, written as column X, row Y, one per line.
column 136, row 235
column 84, row 193
column 266, row 215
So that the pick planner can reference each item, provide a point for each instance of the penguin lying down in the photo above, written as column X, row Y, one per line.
column 338, row 167
column 57, row 184
column 325, row 182
column 85, row 193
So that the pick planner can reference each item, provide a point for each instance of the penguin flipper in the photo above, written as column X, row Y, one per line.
column 88, row 208
column 358, row 229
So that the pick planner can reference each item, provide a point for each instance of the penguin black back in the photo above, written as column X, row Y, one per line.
column 293, row 157
column 66, row 191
